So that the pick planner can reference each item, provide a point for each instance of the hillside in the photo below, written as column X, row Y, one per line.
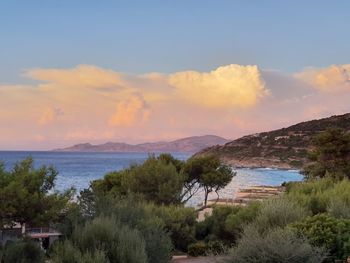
column 284, row 148
column 189, row 144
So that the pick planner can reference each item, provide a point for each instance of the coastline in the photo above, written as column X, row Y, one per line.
column 257, row 163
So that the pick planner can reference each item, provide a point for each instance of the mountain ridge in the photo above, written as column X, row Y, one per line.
column 190, row 144
column 284, row 148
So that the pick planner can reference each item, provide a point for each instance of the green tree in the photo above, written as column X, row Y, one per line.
column 166, row 180
column 207, row 173
column 331, row 155
column 26, row 195
column 158, row 180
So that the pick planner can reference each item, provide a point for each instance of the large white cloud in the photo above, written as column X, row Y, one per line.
column 225, row 87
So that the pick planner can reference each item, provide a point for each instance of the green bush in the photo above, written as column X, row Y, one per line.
column 217, row 227
column 277, row 212
column 226, row 223
column 103, row 237
column 235, row 221
column 157, row 241
column 147, row 219
column 66, row 252
column 339, row 208
column 216, row 247
column 326, row 231
column 120, row 242
column 275, row 246
column 197, row 249
column 320, row 196
column 24, row 251
column 129, row 211
column 179, row 221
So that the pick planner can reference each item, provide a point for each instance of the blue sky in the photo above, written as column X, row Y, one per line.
column 168, row 36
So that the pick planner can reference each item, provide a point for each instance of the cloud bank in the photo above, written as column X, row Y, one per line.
column 90, row 103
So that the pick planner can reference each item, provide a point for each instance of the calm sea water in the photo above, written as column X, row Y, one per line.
column 78, row 169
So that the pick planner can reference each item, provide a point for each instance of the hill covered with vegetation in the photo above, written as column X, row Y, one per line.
column 282, row 148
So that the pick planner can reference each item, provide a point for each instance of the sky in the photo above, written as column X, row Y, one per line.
column 136, row 71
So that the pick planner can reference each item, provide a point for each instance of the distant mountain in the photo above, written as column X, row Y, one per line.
column 283, row 148
column 189, row 144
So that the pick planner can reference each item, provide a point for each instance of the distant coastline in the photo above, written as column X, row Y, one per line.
column 187, row 145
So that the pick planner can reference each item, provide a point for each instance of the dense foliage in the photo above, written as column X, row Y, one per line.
column 105, row 238
column 326, row 231
column 331, row 156
column 138, row 214
column 275, row 246
column 24, row 251
column 166, row 180
column 26, row 195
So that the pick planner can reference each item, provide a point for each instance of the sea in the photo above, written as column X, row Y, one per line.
column 78, row 169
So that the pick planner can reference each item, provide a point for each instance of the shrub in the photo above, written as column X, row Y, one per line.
column 326, row 231
column 235, row 221
column 216, row 247
column 66, row 252
column 226, row 223
column 218, row 223
column 197, row 249
column 277, row 212
column 155, row 223
column 157, row 241
column 320, row 196
column 339, row 208
column 119, row 242
column 24, row 251
column 130, row 211
column 276, row 246
column 179, row 221
column 104, row 239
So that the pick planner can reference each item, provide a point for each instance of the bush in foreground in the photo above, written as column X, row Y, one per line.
column 277, row 213
column 326, row 231
column 276, row 246
column 24, row 251
column 66, row 252
column 106, row 239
